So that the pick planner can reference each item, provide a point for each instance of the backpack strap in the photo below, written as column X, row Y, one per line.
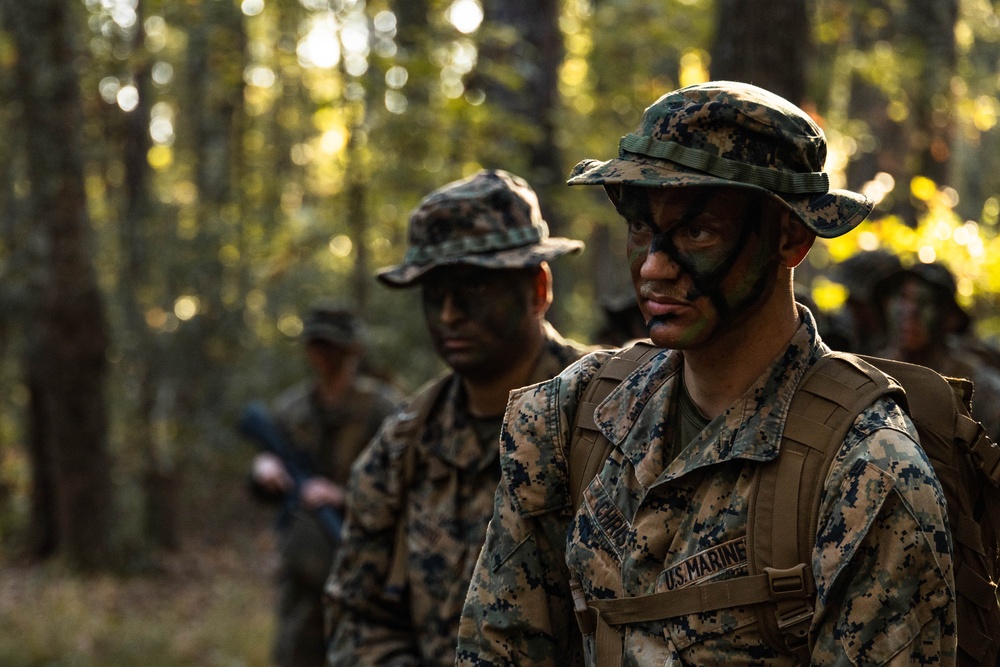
column 783, row 521
column 589, row 449
column 420, row 409
column 780, row 535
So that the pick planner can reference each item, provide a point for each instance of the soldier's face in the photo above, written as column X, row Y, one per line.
column 702, row 259
column 913, row 316
column 478, row 318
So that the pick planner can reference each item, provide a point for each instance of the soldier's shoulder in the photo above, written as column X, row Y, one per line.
column 536, row 436
column 294, row 400
column 378, row 392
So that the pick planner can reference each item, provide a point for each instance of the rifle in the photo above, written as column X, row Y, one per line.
column 256, row 423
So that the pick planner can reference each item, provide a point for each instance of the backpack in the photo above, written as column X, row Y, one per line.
column 780, row 535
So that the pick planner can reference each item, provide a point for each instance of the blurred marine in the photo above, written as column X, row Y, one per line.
column 326, row 422
column 422, row 493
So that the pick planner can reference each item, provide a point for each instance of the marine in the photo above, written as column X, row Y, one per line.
column 422, row 492
column 723, row 194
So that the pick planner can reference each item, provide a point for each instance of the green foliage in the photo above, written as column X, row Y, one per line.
column 48, row 618
column 276, row 175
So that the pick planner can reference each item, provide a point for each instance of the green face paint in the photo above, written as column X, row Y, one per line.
column 690, row 245
column 914, row 314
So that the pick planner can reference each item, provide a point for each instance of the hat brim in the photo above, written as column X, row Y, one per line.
column 828, row 214
column 406, row 275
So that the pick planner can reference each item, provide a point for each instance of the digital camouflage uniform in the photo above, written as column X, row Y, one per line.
column 450, row 501
column 882, row 559
column 331, row 440
column 436, row 473
column 649, row 522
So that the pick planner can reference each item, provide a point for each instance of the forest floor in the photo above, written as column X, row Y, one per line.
column 209, row 603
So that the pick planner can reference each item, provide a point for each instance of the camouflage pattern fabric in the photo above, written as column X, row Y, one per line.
column 882, row 559
column 331, row 440
column 450, row 502
column 725, row 133
column 491, row 219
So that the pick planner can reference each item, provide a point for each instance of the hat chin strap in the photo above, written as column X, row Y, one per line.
column 785, row 182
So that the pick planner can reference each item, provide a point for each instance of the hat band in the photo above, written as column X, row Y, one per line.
column 797, row 183
column 501, row 240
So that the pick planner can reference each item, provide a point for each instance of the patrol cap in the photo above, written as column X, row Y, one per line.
column 490, row 219
column 725, row 133
column 333, row 323
column 938, row 277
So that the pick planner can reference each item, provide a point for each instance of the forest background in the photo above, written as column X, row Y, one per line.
column 180, row 179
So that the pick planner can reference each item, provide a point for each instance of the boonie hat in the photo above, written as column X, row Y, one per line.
column 490, row 219
column 333, row 323
column 938, row 277
column 725, row 133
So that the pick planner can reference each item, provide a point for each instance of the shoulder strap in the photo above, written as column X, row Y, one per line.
column 827, row 402
column 783, row 519
column 589, row 449
column 420, row 408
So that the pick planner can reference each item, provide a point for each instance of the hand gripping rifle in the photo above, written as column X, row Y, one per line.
column 256, row 423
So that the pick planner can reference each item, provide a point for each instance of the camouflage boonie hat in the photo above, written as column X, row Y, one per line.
column 732, row 134
column 490, row 219
column 333, row 323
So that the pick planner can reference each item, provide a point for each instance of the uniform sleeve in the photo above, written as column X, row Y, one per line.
column 518, row 610
column 373, row 624
column 885, row 587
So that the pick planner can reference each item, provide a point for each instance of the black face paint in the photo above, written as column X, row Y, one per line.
column 710, row 267
column 478, row 318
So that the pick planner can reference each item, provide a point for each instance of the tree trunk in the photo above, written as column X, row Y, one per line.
column 928, row 27
column 764, row 43
column 69, row 327
column 141, row 356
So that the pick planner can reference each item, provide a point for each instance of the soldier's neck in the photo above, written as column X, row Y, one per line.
column 717, row 375
column 333, row 388
column 487, row 397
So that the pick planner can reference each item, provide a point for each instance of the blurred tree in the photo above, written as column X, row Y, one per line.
column 764, row 43
column 520, row 52
column 67, row 363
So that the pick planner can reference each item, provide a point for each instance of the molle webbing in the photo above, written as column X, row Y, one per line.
column 782, row 523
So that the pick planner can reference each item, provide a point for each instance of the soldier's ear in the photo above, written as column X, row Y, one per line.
column 796, row 240
column 542, row 292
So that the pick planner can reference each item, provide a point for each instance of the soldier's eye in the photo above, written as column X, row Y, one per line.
column 637, row 227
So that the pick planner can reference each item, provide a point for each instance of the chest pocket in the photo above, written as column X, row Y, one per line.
column 719, row 562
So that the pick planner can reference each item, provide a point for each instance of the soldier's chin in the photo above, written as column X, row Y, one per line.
column 663, row 331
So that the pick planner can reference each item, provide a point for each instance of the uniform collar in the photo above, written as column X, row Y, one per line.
column 450, row 435
column 634, row 415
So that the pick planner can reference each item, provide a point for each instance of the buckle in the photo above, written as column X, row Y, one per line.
column 585, row 616
column 789, row 583
column 794, row 617
column 986, row 456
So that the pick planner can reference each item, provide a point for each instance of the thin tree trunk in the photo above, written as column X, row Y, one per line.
column 70, row 327
column 764, row 43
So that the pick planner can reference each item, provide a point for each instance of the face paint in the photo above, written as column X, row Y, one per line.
column 478, row 318
column 708, row 244
column 914, row 315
